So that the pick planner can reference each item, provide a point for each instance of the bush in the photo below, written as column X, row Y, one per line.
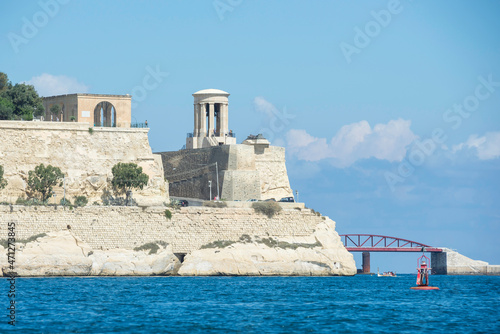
column 30, row 201
column 81, row 201
column 272, row 243
column 168, row 214
column 91, row 130
column 65, row 202
column 3, row 182
column 152, row 246
column 211, row 204
column 267, row 208
column 218, row 244
column 42, row 179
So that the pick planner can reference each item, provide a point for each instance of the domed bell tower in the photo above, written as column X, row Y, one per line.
column 211, row 126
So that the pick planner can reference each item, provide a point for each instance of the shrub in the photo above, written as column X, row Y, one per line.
column 42, row 179
column 211, row 204
column 3, row 182
column 91, row 130
column 65, row 202
column 128, row 176
column 267, row 208
column 168, row 214
column 218, row 244
column 81, row 201
column 152, row 246
column 30, row 201
column 4, row 243
column 272, row 243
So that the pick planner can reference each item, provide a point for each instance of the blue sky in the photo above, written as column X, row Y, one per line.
column 389, row 110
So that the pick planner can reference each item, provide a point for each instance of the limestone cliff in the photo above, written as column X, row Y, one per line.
column 63, row 254
column 321, row 254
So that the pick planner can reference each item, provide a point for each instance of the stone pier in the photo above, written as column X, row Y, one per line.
column 450, row 262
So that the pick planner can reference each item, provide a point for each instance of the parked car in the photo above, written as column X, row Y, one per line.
column 270, row 200
column 183, row 202
column 252, row 200
column 287, row 199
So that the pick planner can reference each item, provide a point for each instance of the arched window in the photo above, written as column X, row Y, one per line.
column 105, row 114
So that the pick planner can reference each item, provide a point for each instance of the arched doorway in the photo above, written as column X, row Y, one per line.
column 105, row 114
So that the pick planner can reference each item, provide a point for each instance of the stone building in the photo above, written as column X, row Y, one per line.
column 211, row 126
column 98, row 110
column 213, row 164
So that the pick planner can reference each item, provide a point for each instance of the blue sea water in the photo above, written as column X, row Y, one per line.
column 360, row 304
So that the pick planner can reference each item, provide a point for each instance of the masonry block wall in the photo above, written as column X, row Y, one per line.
column 129, row 227
column 85, row 157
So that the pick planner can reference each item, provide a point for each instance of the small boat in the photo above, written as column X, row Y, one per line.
column 386, row 274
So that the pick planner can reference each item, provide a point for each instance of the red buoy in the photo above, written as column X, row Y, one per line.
column 423, row 275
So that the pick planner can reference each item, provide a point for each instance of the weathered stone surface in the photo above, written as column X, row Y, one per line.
column 450, row 262
column 85, row 158
column 122, row 262
column 320, row 254
column 63, row 254
column 57, row 254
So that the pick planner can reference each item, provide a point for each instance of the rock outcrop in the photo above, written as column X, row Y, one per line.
column 321, row 254
column 63, row 254
column 123, row 262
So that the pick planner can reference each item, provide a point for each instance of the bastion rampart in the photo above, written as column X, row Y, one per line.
column 85, row 155
column 245, row 172
column 128, row 227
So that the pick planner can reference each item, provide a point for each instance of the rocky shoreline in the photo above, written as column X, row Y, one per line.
column 62, row 253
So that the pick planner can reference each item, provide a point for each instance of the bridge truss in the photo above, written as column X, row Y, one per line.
column 383, row 243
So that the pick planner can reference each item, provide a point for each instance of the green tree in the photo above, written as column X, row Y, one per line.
column 42, row 179
column 6, row 109
column 3, row 182
column 4, row 82
column 26, row 101
column 128, row 176
column 55, row 110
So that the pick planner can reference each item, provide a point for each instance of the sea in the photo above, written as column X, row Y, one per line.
column 358, row 304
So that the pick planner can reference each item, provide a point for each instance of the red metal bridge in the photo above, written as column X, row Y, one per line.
column 367, row 243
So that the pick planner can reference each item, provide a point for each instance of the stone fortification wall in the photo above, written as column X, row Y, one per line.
column 85, row 158
column 129, row 227
column 245, row 172
column 188, row 171
column 271, row 165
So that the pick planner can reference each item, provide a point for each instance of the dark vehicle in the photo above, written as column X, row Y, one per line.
column 287, row 199
column 183, row 202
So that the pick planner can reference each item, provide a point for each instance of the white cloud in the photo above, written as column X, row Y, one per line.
column 486, row 147
column 354, row 142
column 48, row 85
column 264, row 106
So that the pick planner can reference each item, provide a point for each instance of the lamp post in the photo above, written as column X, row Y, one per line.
column 217, row 174
column 210, row 187
column 297, row 195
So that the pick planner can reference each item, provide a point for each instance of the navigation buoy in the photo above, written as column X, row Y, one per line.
column 423, row 275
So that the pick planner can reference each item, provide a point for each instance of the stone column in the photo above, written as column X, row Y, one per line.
column 210, row 131
column 202, row 121
column 224, row 119
column 196, row 130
